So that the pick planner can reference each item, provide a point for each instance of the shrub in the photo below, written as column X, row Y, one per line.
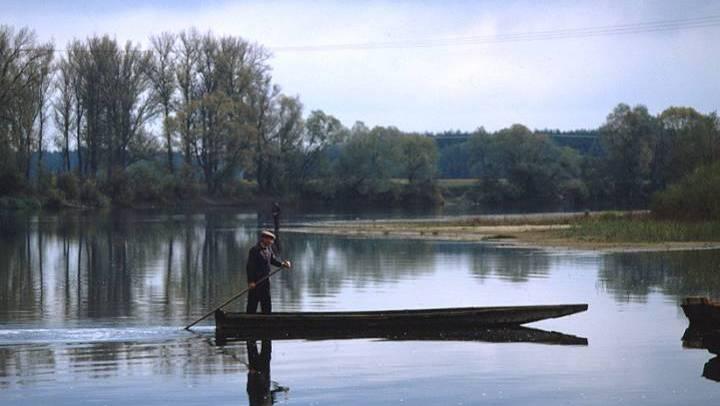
column 422, row 194
column 11, row 182
column 145, row 181
column 19, row 203
column 695, row 197
column 54, row 199
column 45, row 181
column 69, row 185
column 119, row 189
column 91, row 195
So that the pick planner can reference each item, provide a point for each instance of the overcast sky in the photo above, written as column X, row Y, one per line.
column 561, row 83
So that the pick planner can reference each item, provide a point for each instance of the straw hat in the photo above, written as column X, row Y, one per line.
column 267, row 233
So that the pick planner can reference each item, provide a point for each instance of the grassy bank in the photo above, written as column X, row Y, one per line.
column 607, row 231
column 642, row 229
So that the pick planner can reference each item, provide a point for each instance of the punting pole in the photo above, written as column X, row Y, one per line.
column 246, row 290
column 276, row 244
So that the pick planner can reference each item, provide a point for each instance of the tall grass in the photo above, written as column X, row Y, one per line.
column 641, row 229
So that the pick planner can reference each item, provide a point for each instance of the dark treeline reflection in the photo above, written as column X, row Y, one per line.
column 632, row 276
column 76, row 266
column 165, row 268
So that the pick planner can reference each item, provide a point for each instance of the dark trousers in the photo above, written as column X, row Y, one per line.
column 261, row 294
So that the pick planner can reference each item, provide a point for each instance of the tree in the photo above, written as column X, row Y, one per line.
column 75, row 56
column 367, row 161
column 418, row 158
column 288, row 137
column 25, row 68
column 63, row 111
column 262, row 100
column 113, row 121
column 161, row 73
column 516, row 165
column 690, row 140
column 322, row 131
column 187, row 54
column 628, row 138
column 220, row 111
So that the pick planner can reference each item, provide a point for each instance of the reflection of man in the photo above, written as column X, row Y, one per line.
column 260, row 257
column 259, row 386
column 258, row 379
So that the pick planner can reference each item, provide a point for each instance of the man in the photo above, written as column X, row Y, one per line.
column 260, row 257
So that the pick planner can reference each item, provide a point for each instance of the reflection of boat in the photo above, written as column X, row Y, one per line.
column 711, row 370
column 702, row 312
column 490, row 335
column 383, row 323
column 708, row 339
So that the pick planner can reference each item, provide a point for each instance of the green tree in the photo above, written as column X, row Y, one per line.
column 690, row 139
column 516, row 165
column 418, row 158
column 368, row 161
column 322, row 133
column 628, row 138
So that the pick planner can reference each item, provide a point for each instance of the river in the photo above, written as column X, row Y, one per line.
column 92, row 307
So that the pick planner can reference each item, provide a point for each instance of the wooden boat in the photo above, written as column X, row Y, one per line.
column 378, row 323
column 702, row 312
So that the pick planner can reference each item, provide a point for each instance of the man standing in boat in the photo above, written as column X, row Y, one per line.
column 260, row 258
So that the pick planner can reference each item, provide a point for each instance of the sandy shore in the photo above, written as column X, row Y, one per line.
column 520, row 231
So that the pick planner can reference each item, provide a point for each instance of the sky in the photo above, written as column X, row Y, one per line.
column 440, row 65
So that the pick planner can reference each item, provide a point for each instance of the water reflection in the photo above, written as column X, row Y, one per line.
column 488, row 335
column 90, row 306
column 631, row 277
column 27, row 365
column 260, row 388
column 709, row 340
column 145, row 267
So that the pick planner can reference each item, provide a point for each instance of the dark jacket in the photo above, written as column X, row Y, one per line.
column 259, row 261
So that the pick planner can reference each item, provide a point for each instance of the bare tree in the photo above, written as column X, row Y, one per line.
column 161, row 72
column 187, row 54
column 24, row 77
column 63, row 111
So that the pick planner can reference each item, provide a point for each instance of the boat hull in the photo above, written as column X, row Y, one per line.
column 379, row 323
column 703, row 313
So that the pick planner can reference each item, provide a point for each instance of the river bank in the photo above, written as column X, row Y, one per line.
column 596, row 231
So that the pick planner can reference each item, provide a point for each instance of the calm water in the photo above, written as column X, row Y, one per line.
column 91, row 310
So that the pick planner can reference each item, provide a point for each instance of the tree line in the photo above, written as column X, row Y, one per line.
column 622, row 164
column 197, row 114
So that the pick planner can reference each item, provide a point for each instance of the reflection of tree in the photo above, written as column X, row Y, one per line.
column 326, row 262
column 18, row 291
column 20, row 364
column 166, row 269
column 118, row 265
column 632, row 276
column 514, row 265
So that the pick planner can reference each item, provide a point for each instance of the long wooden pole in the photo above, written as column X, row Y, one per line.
column 246, row 290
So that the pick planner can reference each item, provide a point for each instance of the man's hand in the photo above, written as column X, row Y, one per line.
column 287, row 264
column 251, row 285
